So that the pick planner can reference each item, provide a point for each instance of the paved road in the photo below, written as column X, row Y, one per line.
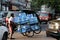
column 41, row 36
column 44, row 27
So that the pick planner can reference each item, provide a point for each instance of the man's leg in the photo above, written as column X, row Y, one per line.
column 10, row 30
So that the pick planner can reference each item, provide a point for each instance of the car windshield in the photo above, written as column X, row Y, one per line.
column 43, row 14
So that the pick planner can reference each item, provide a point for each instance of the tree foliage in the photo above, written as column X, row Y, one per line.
column 36, row 4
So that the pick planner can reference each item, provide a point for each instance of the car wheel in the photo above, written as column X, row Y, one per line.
column 5, row 36
column 47, row 35
column 58, row 39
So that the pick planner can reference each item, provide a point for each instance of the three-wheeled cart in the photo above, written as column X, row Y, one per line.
column 28, row 23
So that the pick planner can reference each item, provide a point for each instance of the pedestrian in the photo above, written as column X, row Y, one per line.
column 6, row 20
column 11, row 25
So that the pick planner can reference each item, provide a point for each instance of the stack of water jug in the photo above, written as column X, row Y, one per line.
column 25, row 21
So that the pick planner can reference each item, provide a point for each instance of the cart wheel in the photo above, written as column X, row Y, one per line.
column 47, row 35
column 38, row 31
column 30, row 34
column 24, row 34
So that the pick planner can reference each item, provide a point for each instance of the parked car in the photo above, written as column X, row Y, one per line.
column 3, row 32
column 58, row 18
column 53, row 29
column 3, row 16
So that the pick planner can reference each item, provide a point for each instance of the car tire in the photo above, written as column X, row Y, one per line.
column 5, row 36
column 47, row 35
column 58, row 39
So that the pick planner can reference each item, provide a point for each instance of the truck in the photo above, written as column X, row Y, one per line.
column 44, row 17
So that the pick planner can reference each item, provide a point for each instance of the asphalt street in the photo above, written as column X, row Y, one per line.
column 41, row 36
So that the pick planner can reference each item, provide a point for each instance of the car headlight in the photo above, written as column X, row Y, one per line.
column 54, row 26
column 51, row 26
column 57, row 26
column 46, row 18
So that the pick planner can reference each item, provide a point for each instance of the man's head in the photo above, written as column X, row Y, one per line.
column 12, row 14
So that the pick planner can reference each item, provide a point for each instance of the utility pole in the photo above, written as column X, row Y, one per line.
column 28, row 4
column 1, row 5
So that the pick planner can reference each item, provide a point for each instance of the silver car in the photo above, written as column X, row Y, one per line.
column 3, row 29
column 53, row 29
column 3, row 33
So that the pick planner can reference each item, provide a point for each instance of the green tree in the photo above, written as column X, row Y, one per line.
column 36, row 4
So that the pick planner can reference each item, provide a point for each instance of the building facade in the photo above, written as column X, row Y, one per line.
column 8, row 5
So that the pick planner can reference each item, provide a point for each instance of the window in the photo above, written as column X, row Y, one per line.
column 43, row 14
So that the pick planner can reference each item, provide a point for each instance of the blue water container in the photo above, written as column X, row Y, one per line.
column 24, row 28
column 27, row 19
column 35, row 27
column 22, row 21
column 18, row 29
column 22, row 15
column 16, row 19
column 29, row 15
column 33, row 20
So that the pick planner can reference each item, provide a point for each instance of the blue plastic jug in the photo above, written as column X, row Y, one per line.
column 16, row 19
column 35, row 27
column 29, row 15
column 22, row 15
column 18, row 29
column 24, row 28
column 33, row 20
column 22, row 21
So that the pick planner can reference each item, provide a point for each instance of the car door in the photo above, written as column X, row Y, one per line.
column 2, row 31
